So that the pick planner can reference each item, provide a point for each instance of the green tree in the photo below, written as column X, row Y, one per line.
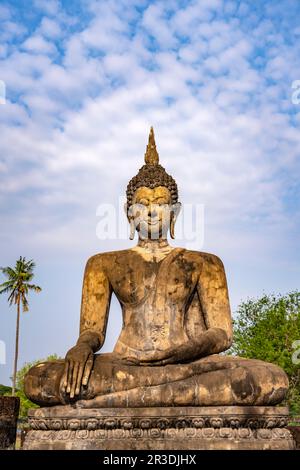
column 5, row 390
column 18, row 285
column 266, row 329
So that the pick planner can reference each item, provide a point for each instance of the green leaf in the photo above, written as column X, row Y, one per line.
column 265, row 329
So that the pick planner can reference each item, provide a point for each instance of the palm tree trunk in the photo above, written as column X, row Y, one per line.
column 16, row 349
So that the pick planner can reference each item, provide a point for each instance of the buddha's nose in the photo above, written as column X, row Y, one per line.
column 152, row 210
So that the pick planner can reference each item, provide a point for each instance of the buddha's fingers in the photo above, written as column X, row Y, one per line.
column 79, row 378
column 64, row 379
column 74, row 379
column 131, row 361
column 93, row 403
column 87, row 369
column 169, row 360
column 172, row 359
column 70, row 372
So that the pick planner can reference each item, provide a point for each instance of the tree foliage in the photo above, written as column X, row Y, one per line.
column 18, row 282
column 5, row 390
column 267, row 329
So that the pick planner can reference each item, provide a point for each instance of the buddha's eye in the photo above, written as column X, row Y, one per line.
column 144, row 202
column 161, row 201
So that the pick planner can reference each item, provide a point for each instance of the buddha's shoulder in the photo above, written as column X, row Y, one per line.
column 108, row 257
column 203, row 258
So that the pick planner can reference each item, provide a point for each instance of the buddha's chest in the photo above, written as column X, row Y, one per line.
column 154, row 282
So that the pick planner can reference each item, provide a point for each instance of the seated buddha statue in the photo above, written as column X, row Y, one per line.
column 176, row 321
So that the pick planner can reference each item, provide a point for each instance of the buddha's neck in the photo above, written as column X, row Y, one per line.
column 153, row 245
column 153, row 250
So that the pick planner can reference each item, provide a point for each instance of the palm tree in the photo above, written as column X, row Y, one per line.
column 18, row 286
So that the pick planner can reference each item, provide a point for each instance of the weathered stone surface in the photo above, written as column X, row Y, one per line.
column 295, row 431
column 215, row 380
column 176, row 321
column 9, row 411
column 174, row 428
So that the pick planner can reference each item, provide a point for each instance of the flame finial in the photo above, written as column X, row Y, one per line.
column 151, row 155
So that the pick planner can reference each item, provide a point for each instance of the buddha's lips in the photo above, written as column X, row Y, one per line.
column 153, row 219
column 153, row 223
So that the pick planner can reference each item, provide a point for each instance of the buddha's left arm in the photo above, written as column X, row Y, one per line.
column 214, row 300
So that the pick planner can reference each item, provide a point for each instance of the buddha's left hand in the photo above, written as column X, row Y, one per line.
column 205, row 344
column 183, row 353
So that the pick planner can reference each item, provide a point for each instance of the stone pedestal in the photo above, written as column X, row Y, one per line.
column 176, row 428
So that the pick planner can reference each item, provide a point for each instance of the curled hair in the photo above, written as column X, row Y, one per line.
column 152, row 176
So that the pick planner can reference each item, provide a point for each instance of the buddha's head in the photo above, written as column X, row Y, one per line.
column 152, row 198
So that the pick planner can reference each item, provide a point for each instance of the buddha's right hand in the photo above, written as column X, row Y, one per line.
column 78, row 366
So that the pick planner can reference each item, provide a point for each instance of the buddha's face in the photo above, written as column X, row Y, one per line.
column 151, row 211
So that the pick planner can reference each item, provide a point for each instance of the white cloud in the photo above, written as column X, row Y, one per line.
column 11, row 30
column 79, row 129
column 74, row 128
column 50, row 7
column 37, row 44
column 157, row 27
column 50, row 28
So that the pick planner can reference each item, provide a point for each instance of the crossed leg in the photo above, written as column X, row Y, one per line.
column 214, row 380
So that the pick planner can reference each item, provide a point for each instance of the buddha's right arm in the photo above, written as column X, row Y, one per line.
column 96, row 295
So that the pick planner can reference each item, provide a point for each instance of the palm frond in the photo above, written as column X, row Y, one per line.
column 7, row 284
column 24, row 266
column 34, row 287
column 30, row 265
column 13, row 296
column 10, row 273
column 5, row 289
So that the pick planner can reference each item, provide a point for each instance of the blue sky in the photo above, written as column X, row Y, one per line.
column 84, row 82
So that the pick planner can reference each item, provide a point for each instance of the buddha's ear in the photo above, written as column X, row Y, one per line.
column 175, row 209
column 130, row 220
column 126, row 210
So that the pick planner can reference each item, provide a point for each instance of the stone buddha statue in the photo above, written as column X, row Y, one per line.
column 176, row 321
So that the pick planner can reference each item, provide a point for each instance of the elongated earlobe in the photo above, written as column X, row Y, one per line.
column 176, row 209
column 132, row 229
column 172, row 226
column 128, row 213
